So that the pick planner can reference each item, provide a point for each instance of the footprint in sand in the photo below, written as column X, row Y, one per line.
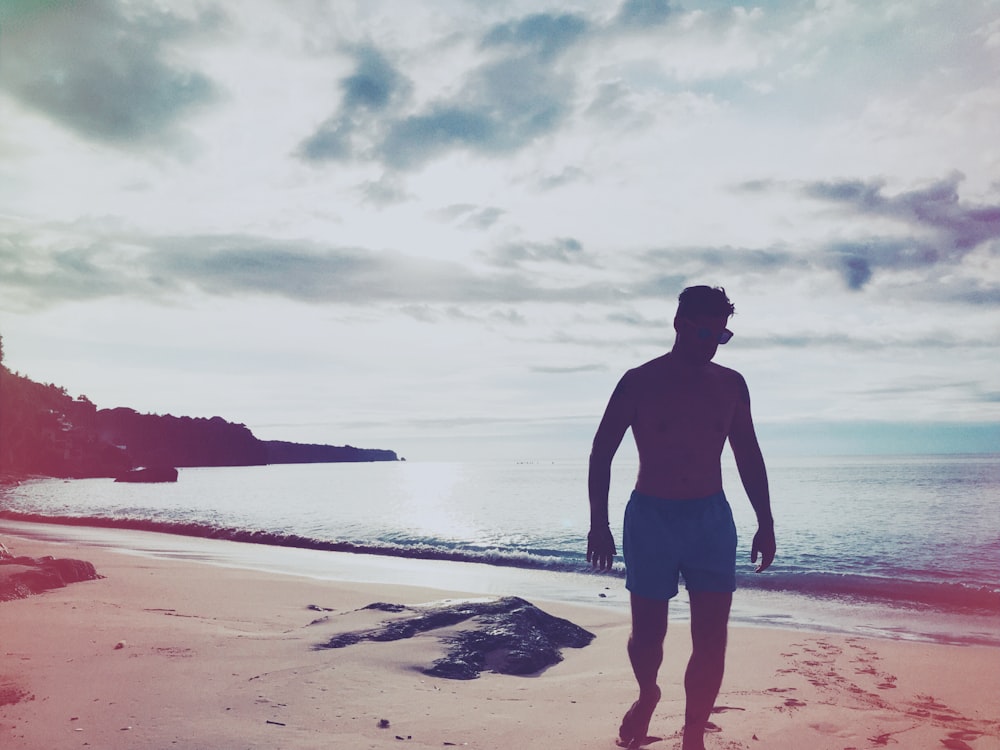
column 791, row 704
column 11, row 693
column 956, row 744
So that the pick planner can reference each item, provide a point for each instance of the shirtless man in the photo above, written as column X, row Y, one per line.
column 681, row 407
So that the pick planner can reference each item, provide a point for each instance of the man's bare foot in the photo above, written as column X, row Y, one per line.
column 635, row 724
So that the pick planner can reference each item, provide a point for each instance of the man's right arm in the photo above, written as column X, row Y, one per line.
column 617, row 419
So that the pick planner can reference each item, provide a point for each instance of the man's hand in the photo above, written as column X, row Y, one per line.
column 601, row 548
column 765, row 546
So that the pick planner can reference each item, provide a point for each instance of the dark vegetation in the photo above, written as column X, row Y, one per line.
column 44, row 431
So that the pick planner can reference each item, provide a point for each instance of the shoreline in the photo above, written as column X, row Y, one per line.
column 217, row 656
column 759, row 607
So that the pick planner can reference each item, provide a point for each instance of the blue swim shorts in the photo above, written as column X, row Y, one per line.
column 664, row 539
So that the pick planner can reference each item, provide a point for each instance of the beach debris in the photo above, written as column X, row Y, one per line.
column 383, row 724
column 506, row 636
column 277, row 723
column 120, row 645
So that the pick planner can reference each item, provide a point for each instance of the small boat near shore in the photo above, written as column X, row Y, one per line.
column 149, row 474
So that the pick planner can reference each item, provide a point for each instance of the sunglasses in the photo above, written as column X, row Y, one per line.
column 704, row 333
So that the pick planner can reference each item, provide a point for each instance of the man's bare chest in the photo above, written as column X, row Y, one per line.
column 686, row 410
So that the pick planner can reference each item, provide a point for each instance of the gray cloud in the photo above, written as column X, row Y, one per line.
column 567, row 176
column 503, row 107
column 469, row 216
column 644, row 13
column 371, row 89
column 563, row 250
column 937, row 229
column 103, row 69
column 163, row 268
column 949, row 228
column 515, row 96
column 374, row 83
column 546, row 35
column 568, row 370
column 635, row 320
column 725, row 260
column 937, row 207
column 68, row 275
column 385, row 191
column 36, row 272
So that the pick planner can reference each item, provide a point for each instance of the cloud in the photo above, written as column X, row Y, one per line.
column 385, row 191
column 469, row 216
column 696, row 261
column 73, row 274
column 644, row 13
column 936, row 228
column 546, row 35
column 513, row 94
column 571, row 370
column 39, row 273
column 567, row 176
column 374, row 83
column 503, row 106
column 565, row 250
column 936, row 207
column 103, row 69
column 370, row 90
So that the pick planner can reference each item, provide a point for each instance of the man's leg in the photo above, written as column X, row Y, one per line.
column 645, row 651
column 703, row 678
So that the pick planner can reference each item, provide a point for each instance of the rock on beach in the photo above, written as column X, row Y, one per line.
column 21, row 577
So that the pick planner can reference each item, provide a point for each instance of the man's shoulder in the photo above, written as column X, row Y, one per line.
column 732, row 382
column 646, row 369
column 723, row 371
column 727, row 375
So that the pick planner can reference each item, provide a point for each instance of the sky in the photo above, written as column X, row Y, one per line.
column 447, row 228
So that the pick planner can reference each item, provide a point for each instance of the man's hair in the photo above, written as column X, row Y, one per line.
column 704, row 300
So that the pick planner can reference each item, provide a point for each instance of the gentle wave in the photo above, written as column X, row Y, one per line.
column 492, row 556
column 948, row 597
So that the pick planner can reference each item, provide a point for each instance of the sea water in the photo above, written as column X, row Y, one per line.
column 905, row 546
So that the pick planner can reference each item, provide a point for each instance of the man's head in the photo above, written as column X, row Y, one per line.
column 704, row 300
column 700, row 323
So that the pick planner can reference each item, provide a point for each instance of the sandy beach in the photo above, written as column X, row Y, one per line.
column 182, row 654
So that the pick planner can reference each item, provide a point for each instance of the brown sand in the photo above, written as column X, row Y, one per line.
column 165, row 654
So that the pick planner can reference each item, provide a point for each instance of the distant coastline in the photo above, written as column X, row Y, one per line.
column 46, row 432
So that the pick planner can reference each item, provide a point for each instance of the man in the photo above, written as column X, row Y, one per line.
column 682, row 407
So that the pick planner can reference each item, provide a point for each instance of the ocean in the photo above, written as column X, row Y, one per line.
column 891, row 546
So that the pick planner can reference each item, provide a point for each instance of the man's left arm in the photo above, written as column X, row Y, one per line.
column 753, row 474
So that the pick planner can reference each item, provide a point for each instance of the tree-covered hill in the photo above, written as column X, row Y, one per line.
column 45, row 431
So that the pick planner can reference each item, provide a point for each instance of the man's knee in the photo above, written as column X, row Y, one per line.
column 710, row 619
column 649, row 620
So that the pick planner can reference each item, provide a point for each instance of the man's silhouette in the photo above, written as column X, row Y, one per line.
column 682, row 407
